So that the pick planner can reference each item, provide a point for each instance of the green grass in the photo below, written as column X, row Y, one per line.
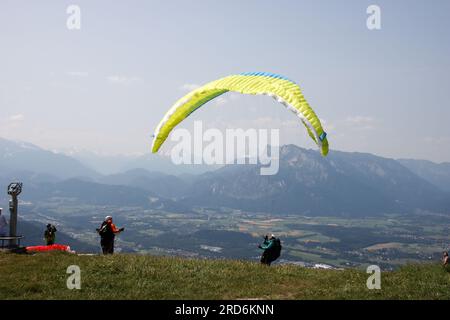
column 43, row 276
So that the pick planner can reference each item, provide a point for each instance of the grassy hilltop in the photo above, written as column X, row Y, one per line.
column 43, row 276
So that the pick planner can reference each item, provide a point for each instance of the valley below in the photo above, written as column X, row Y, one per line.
column 388, row 241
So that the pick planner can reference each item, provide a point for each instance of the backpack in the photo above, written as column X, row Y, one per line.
column 276, row 249
column 104, row 230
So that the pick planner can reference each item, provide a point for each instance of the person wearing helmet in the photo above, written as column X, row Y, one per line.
column 107, row 232
column 267, row 245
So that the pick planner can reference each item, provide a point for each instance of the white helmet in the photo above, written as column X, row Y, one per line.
column 108, row 218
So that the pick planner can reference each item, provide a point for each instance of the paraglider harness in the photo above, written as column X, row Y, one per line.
column 105, row 231
column 276, row 249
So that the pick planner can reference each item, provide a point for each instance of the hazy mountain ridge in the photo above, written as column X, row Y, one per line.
column 164, row 185
column 116, row 164
column 436, row 173
column 23, row 156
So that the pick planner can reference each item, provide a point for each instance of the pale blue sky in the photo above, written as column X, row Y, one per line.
column 105, row 87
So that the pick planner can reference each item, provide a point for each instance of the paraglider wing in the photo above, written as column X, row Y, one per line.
column 53, row 247
column 280, row 88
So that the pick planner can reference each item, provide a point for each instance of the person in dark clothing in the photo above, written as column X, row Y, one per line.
column 265, row 246
column 107, row 232
column 272, row 249
column 50, row 234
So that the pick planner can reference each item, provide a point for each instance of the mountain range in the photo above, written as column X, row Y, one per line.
column 342, row 183
column 436, row 173
column 308, row 184
column 17, row 157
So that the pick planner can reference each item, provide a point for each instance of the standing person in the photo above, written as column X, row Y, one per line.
column 3, row 225
column 272, row 249
column 266, row 246
column 50, row 234
column 107, row 232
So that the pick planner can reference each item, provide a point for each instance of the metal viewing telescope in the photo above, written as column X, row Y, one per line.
column 14, row 189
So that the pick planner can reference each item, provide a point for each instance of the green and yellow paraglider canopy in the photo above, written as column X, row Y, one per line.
column 280, row 88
